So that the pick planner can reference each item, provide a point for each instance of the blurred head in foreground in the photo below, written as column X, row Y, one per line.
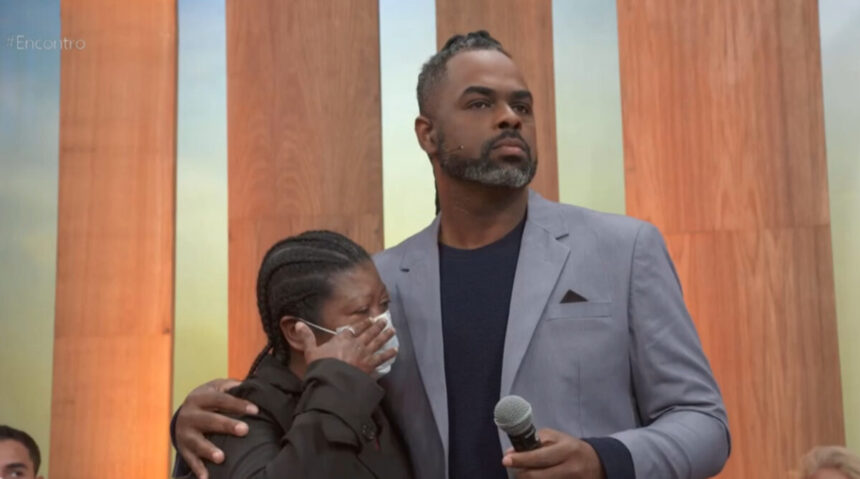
column 830, row 462
column 19, row 454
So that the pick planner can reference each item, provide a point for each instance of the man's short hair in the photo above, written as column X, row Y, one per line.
column 434, row 69
column 831, row 457
column 10, row 433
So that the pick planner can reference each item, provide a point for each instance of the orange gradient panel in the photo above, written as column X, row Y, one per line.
column 724, row 151
column 114, row 292
column 304, row 138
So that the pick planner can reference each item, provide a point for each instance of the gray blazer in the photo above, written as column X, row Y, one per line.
column 626, row 362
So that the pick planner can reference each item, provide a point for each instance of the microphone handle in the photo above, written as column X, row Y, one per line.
column 526, row 441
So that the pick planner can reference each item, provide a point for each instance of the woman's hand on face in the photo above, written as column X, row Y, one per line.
column 357, row 346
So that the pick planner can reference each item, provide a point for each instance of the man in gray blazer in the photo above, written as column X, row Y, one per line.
column 579, row 312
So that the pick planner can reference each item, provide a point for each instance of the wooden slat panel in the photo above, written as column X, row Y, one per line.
column 525, row 30
column 729, row 94
column 110, row 412
column 724, row 151
column 114, row 297
column 304, row 137
column 764, row 307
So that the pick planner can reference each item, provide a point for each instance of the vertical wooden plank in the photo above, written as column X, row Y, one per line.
column 724, row 151
column 304, row 141
column 525, row 30
column 114, row 298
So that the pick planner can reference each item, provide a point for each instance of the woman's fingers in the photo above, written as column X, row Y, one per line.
column 383, row 356
column 363, row 330
column 371, row 333
column 380, row 340
column 306, row 336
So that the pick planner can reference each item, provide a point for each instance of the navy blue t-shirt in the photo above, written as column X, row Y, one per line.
column 476, row 288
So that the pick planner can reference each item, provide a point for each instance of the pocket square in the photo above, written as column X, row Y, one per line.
column 572, row 297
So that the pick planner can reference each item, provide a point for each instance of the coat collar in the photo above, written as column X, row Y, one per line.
column 278, row 374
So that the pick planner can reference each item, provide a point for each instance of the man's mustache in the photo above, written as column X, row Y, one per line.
column 507, row 134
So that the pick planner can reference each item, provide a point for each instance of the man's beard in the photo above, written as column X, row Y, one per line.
column 486, row 171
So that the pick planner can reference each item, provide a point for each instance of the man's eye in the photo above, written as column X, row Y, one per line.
column 479, row 104
column 523, row 109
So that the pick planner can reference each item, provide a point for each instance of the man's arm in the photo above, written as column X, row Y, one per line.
column 205, row 410
column 323, row 440
column 685, row 431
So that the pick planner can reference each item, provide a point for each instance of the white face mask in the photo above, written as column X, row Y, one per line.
column 392, row 343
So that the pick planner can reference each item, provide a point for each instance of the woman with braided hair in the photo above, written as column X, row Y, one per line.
column 325, row 313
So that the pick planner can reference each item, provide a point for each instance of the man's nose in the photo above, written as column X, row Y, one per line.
column 508, row 119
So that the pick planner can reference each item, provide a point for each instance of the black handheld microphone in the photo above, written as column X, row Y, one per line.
column 513, row 415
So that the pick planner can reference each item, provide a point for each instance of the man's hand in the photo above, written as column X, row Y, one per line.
column 203, row 413
column 560, row 456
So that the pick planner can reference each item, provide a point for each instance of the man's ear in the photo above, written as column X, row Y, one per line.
column 426, row 133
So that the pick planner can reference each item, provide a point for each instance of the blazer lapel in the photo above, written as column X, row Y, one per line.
column 540, row 263
column 422, row 305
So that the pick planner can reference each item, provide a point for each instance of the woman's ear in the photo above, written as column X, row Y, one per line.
column 426, row 133
column 297, row 334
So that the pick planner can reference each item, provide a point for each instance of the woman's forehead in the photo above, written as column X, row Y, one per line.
column 358, row 282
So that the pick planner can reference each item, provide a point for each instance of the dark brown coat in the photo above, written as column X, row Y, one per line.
column 329, row 426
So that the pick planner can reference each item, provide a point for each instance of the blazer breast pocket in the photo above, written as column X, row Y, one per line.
column 585, row 309
column 585, row 344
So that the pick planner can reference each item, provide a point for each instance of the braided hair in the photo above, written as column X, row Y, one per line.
column 434, row 69
column 295, row 279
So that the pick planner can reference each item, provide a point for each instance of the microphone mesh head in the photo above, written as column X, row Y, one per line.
column 513, row 415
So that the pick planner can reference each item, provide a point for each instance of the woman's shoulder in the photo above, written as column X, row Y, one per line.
column 265, row 429
column 275, row 403
column 246, row 455
column 256, row 387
